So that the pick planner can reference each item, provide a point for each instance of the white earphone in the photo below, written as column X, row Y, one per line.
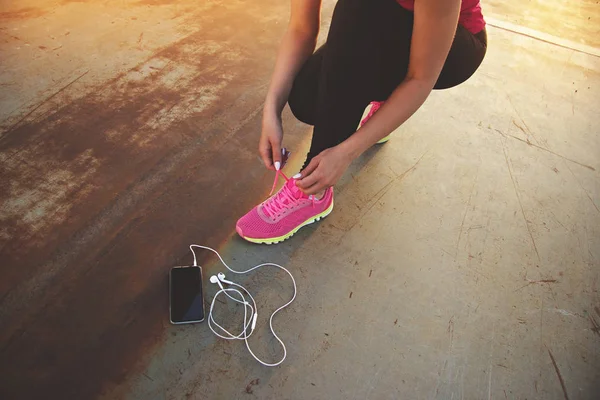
column 250, row 309
column 221, row 277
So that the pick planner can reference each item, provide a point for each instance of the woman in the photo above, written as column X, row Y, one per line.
column 390, row 53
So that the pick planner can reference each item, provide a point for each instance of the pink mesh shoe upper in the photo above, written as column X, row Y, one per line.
column 375, row 106
column 282, row 212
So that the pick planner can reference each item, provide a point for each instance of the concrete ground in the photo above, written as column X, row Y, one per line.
column 461, row 261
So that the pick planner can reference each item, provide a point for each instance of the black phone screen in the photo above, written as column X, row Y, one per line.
column 187, row 304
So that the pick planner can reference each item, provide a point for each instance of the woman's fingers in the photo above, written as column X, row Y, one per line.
column 265, row 153
column 271, row 153
column 276, row 149
column 307, row 182
column 314, row 163
column 323, row 171
column 314, row 189
column 309, row 176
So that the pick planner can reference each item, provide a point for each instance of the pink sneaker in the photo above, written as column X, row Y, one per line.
column 283, row 214
column 375, row 106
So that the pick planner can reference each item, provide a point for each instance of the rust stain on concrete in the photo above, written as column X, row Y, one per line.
column 100, row 196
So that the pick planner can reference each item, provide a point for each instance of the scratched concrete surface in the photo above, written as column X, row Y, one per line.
column 461, row 261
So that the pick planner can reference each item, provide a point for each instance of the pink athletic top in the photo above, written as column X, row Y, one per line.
column 470, row 14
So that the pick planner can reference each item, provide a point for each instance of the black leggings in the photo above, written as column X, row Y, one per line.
column 364, row 59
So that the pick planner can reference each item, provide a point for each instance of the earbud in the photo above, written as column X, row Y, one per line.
column 214, row 279
column 221, row 277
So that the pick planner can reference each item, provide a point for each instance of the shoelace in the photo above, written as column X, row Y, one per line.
column 277, row 203
column 285, row 155
column 277, row 174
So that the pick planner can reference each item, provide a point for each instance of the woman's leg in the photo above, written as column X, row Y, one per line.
column 465, row 56
column 364, row 59
column 303, row 96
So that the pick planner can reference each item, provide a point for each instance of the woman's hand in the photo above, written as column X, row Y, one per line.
column 271, row 138
column 324, row 170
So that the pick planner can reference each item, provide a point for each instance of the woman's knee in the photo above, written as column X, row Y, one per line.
column 466, row 55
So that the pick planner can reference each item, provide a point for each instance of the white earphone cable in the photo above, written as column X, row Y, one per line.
column 249, row 316
column 211, row 320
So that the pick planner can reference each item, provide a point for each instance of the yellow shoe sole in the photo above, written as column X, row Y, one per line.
column 296, row 229
column 385, row 139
